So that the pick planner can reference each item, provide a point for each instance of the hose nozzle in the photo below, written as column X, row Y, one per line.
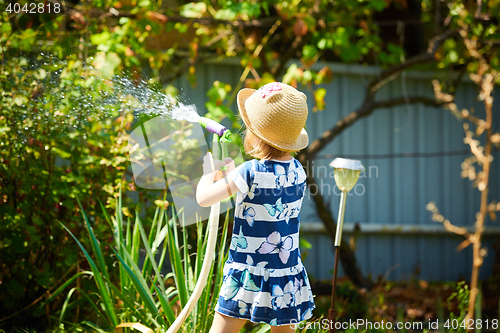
column 212, row 126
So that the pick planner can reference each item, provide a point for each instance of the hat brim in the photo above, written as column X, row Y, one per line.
column 301, row 142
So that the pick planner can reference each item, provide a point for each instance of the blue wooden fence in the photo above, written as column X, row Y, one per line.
column 412, row 155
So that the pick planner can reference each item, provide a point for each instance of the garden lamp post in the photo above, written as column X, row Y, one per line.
column 346, row 173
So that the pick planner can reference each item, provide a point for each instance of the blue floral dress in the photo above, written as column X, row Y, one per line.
column 264, row 279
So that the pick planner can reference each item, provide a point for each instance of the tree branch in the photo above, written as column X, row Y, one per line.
column 369, row 104
column 297, row 44
column 388, row 74
column 363, row 111
column 438, row 217
column 265, row 22
column 255, row 54
column 261, row 23
column 183, row 68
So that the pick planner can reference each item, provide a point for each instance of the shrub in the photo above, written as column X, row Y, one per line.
column 59, row 139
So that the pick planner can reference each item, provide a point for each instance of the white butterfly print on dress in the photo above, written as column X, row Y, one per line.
column 297, row 286
column 275, row 244
column 282, row 176
column 260, row 264
column 232, row 285
column 251, row 192
column 283, row 297
column 245, row 307
column 239, row 241
column 272, row 209
column 287, row 213
column 307, row 314
column 249, row 215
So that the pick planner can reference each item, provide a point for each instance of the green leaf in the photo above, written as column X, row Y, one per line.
column 322, row 43
column 291, row 73
column 305, row 244
column 165, row 305
column 100, row 38
column 307, row 76
column 95, row 244
column 140, row 284
column 144, row 3
column 106, row 63
column 103, row 289
column 309, row 51
column 319, row 97
column 41, row 74
column 193, row 9
column 378, row 5
column 126, row 301
column 4, row 129
column 20, row 100
column 175, row 258
column 265, row 6
column 453, row 56
column 56, row 293
column 150, row 255
column 93, row 326
column 225, row 14
column 84, row 294
column 61, row 153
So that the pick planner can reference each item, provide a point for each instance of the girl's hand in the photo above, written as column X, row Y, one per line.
column 208, row 161
column 229, row 164
column 209, row 192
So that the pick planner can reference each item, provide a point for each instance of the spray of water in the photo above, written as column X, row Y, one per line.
column 152, row 102
column 185, row 112
column 65, row 99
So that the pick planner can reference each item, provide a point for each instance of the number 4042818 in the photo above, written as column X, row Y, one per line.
column 34, row 8
column 472, row 324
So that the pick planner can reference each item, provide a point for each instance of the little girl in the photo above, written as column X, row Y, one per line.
column 264, row 279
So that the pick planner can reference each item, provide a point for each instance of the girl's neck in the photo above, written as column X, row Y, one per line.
column 286, row 157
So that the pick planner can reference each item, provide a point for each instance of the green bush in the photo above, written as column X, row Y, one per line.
column 142, row 293
column 59, row 139
column 64, row 135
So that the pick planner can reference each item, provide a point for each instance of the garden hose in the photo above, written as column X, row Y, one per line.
column 137, row 326
column 213, row 225
column 221, row 136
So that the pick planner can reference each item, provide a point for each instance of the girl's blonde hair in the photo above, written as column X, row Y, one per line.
column 256, row 147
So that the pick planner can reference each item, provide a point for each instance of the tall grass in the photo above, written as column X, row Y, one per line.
column 142, row 294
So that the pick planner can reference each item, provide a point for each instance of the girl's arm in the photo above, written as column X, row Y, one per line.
column 211, row 188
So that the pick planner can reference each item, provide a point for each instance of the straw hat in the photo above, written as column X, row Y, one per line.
column 276, row 113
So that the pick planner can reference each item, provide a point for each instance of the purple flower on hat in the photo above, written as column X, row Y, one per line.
column 269, row 88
